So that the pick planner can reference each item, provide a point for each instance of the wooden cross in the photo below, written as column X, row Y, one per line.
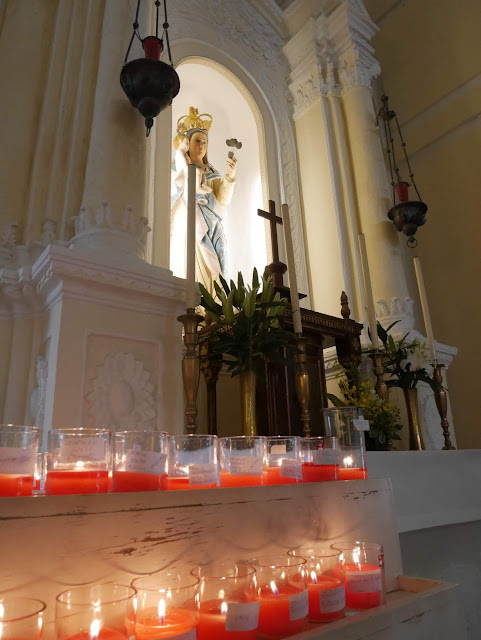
column 276, row 268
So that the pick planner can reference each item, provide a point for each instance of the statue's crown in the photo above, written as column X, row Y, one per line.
column 193, row 120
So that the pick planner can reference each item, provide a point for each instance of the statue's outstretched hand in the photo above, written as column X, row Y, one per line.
column 231, row 163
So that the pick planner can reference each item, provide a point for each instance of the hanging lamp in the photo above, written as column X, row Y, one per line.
column 149, row 83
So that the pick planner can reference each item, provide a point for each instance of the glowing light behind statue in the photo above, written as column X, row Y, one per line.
column 212, row 192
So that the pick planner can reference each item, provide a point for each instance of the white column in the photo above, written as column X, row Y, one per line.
column 112, row 219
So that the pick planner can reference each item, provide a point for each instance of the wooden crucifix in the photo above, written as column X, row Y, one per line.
column 276, row 269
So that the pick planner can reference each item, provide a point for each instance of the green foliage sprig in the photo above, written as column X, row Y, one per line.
column 247, row 329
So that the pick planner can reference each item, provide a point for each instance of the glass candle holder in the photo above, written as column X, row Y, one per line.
column 242, row 460
column 21, row 618
column 167, row 607
column 18, row 454
column 362, row 565
column 229, row 609
column 281, row 591
column 40, row 473
column 320, row 459
column 98, row 612
column 325, row 585
column 192, row 462
column 283, row 460
column 140, row 460
column 78, row 461
column 347, row 424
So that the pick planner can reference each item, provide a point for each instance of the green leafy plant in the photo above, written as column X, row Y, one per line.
column 247, row 329
column 404, row 361
column 383, row 417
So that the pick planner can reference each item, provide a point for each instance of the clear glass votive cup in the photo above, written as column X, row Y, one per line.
column 325, row 585
column 282, row 593
column 40, row 474
column 362, row 566
column 283, row 460
column 242, row 460
column 345, row 423
column 21, row 618
column 97, row 612
column 18, row 454
column 229, row 609
column 140, row 460
column 320, row 459
column 167, row 606
column 192, row 462
column 78, row 461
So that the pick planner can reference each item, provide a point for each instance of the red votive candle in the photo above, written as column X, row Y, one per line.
column 325, row 587
column 167, row 606
column 103, row 612
column 228, row 606
column 283, row 460
column 18, row 454
column 192, row 462
column 140, row 460
column 281, row 591
column 78, row 461
column 320, row 459
column 348, row 425
column 363, row 573
column 242, row 460
column 21, row 618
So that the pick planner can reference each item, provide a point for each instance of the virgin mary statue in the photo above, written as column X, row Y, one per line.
column 213, row 192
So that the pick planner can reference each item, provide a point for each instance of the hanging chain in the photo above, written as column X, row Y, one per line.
column 411, row 175
column 157, row 5
column 166, row 27
column 384, row 115
column 135, row 31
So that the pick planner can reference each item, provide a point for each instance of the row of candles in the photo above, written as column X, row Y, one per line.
column 273, row 596
column 95, row 460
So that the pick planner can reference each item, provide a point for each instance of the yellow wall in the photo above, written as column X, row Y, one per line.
column 431, row 71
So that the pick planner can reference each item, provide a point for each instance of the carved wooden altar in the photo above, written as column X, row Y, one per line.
column 277, row 407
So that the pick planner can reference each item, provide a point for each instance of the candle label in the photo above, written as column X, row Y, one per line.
column 277, row 449
column 189, row 635
column 76, row 449
column 298, row 606
column 17, row 460
column 332, row 600
column 325, row 456
column 242, row 616
column 145, row 462
column 363, row 581
column 246, row 465
column 200, row 474
column 291, row 468
column 361, row 424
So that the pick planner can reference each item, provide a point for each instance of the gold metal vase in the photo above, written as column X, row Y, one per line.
column 248, row 403
column 416, row 441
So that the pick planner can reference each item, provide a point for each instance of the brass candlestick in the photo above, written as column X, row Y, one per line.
column 190, row 367
column 302, row 384
column 381, row 387
column 441, row 398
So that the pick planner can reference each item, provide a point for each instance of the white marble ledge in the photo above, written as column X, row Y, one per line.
column 420, row 609
column 431, row 488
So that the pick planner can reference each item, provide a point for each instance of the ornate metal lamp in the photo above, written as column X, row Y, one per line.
column 149, row 83
column 407, row 215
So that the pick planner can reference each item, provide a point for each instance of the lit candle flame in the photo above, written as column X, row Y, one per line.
column 94, row 629
column 223, row 608
column 79, row 464
column 162, row 610
column 348, row 461
column 40, row 622
column 314, row 577
column 355, row 557
column 275, row 590
column 221, row 595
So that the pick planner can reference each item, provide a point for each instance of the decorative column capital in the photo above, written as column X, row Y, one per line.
column 331, row 54
column 110, row 232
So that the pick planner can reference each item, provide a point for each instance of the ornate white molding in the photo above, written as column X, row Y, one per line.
column 107, row 231
column 122, row 396
column 331, row 54
column 396, row 310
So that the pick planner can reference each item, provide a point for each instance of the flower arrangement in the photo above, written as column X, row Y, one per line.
column 383, row 417
column 247, row 329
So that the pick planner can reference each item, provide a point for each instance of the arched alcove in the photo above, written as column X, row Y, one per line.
column 213, row 89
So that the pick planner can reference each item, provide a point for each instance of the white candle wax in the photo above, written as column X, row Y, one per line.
column 191, row 206
column 371, row 313
column 424, row 307
column 296, row 311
